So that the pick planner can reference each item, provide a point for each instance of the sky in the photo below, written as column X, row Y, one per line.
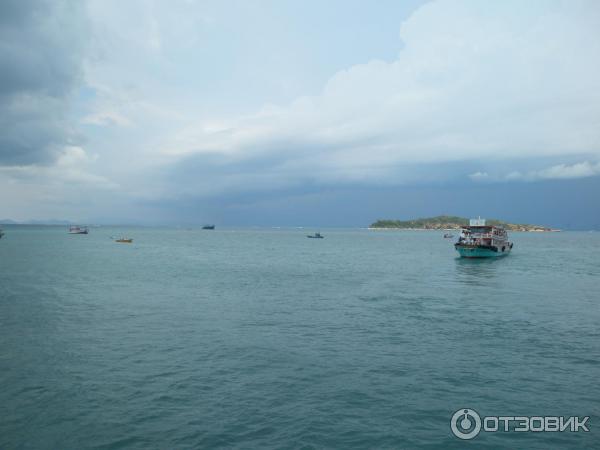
column 299, row 113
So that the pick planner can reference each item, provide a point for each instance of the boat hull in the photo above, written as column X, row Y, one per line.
column 480, row 252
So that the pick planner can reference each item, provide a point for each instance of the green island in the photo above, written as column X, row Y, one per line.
column 450, row 223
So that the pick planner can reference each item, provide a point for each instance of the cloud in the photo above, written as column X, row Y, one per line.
column 107, row 119
column 70, row 170
column 479, row 176
column 41, row 50
column 473, row 81
column 558, row 172
column 68, row 189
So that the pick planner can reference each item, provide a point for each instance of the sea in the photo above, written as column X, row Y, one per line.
column 264, row 339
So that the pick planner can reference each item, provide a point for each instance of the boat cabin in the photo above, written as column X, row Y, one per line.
column 480, row 234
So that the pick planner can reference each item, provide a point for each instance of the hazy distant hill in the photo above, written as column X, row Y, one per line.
column 450, row 222
column 35, row 222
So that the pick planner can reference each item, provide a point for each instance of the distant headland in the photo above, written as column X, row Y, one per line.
column 450, row 223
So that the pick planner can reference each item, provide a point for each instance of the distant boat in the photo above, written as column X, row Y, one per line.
column 315, row 236
column 208, row 227
column 448, row 235
column 74, row 229
column 479, row 240
column 1, row 234
column 124, row 240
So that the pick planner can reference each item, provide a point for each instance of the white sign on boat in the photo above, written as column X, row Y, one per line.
column 479, row 222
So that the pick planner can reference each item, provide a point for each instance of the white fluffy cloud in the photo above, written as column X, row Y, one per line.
column 558, row 172
column 473, row 81
column 68, row 188
column 71, row 170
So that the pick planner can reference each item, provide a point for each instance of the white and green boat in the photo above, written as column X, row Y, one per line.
column 479, row 240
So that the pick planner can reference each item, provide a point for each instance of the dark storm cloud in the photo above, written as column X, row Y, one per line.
column 41, row 48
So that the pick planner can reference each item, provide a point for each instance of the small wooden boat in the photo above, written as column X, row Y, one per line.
column 315, row 236
column 124, row 240
column 208, row 227
column 448, row 236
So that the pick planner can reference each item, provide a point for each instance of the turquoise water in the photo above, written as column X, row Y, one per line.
column 266, row 339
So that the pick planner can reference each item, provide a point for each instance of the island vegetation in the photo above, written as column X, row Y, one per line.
column 449, row 223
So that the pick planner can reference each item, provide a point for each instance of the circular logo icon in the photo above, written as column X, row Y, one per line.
column 465, row 423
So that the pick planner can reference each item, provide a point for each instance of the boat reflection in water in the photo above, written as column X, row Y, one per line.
column 481, row 272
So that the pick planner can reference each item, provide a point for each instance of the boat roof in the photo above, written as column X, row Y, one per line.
column 483, row 227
